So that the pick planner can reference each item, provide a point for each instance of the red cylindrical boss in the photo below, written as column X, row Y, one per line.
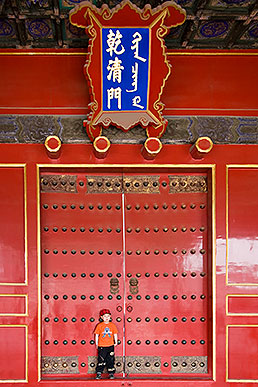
column 201, row 147
column 53, row 146
column 151, row 148
column 101, row 146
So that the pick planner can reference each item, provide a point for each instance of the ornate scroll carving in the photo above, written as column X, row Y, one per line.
column 179, row 184
column 133, row 364
column 141, row 184
column 158, row 21
column 92, row 363
column 58, row 183
column 59, row 365
column 143, row 365
column 119, row 184
column 104, row 184
column 189, row 365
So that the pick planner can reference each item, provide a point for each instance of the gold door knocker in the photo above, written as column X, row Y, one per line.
column 114, row 285
column 134, row 285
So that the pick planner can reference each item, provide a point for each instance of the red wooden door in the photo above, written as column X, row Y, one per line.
column 167, row 324
column 134, row 243
column 82, row 267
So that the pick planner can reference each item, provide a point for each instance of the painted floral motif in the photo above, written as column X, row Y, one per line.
column 5, row 28
column 38, row 29
column 253, row 31
column 237, row 2
column 214, row 28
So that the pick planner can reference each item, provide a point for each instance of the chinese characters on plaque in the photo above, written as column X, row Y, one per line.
column 125, row 68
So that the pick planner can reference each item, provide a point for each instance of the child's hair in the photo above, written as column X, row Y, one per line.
column 102, row 312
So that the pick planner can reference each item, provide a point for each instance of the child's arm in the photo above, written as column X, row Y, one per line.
column 96, row 340
column 115, row 339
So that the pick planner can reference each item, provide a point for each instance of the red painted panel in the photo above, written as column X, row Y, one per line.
column 202, row 84
column 13, row 353
column 44, row 81
column 242, row 225
column 57, row 84
column 12, row 304
column 166, row 249
column 81, row 252
column 239, row 305
column 242, row 352
column 12, row 230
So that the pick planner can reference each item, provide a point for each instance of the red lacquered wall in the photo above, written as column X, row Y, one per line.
column 201, row 83
column 233, row 329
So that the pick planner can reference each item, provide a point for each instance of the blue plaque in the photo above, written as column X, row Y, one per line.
column 125, row 69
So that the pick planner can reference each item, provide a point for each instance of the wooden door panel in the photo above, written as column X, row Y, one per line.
column 167, row 327
column 81, row 255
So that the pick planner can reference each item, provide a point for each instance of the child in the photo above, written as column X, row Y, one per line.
column 106, row 340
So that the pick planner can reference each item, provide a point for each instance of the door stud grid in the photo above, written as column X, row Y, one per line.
column 59, row 365
column 128, row 250
column 133, row 364
column 189, row 364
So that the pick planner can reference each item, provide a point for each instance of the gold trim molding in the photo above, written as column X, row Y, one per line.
column 175, row 53
column 227, row 354
column 26, row 354
column 239, row 314
column 17, row 314
column 233, row 166
column 11, row 165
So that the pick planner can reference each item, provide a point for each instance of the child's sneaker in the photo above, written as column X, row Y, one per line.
column 111, row 376
column 98, row 376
